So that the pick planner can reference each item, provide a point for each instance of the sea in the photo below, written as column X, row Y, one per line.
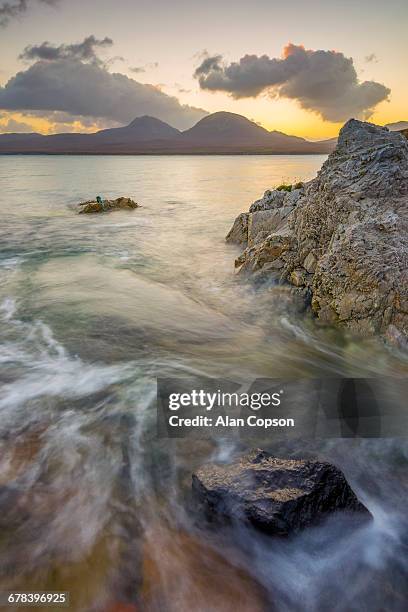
column 93, row 310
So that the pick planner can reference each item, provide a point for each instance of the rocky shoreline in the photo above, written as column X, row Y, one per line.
column 342, row 238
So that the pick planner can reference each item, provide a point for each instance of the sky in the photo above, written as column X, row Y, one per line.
column 300, row 67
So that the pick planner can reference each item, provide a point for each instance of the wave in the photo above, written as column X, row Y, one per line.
column 44, row 366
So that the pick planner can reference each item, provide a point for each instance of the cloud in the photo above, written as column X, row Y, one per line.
column 84, row 51
column 60, row 119
column 208, row 64
column 138, row 69
column 371, row 58
column 141, row 69
column 9, row 126
column 181, row 89
column 11, row 10
column 89, row 89
column 325, row 82
column 50, row 122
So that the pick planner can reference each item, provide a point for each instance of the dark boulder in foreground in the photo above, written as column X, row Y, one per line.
column 278, row 496
column 107, row 205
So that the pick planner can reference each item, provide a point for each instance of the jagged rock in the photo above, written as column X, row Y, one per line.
column 278, row 496
column 275, row 246
column 271, row 199
column 107, row 205
column 263, row 222
column 348, row 229
column 238, row 234
column 395, row 337
column 310, row 263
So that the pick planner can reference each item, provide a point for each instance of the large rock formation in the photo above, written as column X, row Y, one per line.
column 93, row 206
column 343, row 237
column 279, row 496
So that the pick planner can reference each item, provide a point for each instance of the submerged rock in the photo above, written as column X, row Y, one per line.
column 107, row 205
column 278, row 496
column 206, row 580
column 347, row 230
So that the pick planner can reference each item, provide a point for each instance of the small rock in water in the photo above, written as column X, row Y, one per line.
column 107, row 205
column 278, row 496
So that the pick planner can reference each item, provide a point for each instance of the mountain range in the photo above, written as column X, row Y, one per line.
column 218, row 133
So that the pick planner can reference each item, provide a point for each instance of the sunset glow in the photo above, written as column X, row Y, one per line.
column 268, row 32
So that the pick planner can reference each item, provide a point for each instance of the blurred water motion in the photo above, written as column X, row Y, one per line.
column 92, row 310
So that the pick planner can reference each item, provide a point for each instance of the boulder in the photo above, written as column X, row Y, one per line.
column 348, row 230
column 277, row 496
column 238, row 234
column 93, row 206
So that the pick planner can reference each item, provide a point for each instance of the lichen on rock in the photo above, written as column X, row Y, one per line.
column 344, row 235
column 278, row 496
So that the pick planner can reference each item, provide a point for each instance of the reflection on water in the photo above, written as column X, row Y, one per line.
column 93, row 309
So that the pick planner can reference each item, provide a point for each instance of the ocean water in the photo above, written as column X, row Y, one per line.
column 93, row 308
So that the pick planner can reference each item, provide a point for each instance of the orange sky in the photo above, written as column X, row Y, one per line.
column 166, row 40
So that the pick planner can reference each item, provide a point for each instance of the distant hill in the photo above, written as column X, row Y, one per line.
column 140, row 129
column 221, row 128
column 398, row 126
column 230, row 130
column 220, row 132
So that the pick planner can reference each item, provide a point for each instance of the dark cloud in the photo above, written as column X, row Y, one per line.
column 141, row 69
column 138, row 69
column 84, row 51
column 13, row 9
column 208, row 64
column 89, row 89
column 372, row 58
column 322, row 81
column 61, row 118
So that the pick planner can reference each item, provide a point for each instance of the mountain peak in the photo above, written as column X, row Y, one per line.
column 222, row 127
column 225, row 118
column 147, row 120
column 142, row 128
